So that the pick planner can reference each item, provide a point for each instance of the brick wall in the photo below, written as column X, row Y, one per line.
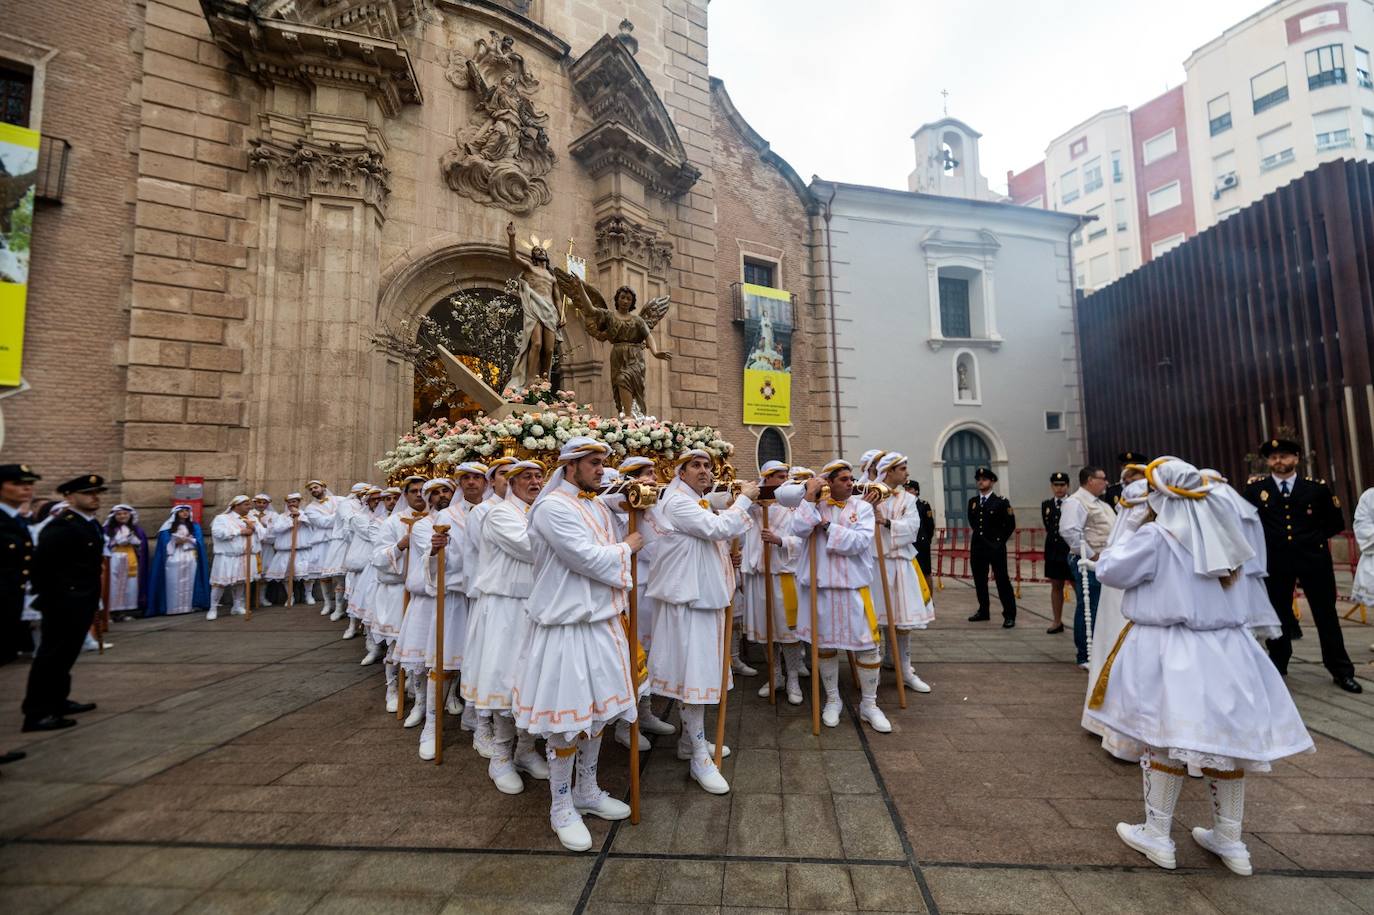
column 1149, row 120
column 1028, row 185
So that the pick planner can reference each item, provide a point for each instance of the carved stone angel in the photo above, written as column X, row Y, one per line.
column 629, row 335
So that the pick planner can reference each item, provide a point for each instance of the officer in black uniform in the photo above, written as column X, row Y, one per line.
column 16, row 555
column 66, row 576
column 1113, row 491
column 993, row 522
column 1056, row 548
column 1300, row 515
column 927, row 529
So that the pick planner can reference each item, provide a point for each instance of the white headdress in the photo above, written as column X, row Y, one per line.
column 172, row 516
column 770, row 467
column 886, row 463
column 436, row 482
column 575, row 448
column 1206, row 526
column 123, row 507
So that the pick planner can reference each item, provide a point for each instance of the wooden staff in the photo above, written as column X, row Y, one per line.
column 248, row 568
column 724, row 684
column 103, row 617
column 437, row 674
column 291, row 562
column 891, row 620
column 768, row 607
column 815, row 641
column 633, row 525
column 405, row 603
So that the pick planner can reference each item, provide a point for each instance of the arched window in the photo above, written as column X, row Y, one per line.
column 963, row 454
column 952, row 153
column 481, row 327
column 772, row 446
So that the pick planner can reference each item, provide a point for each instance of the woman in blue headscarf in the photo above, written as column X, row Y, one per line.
column 180, row 576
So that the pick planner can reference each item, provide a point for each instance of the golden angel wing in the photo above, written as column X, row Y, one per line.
column 655, row 309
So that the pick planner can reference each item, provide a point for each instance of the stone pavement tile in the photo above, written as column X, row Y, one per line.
column 1326, row 792
column 755, row 825
column 252, row 902
column 866, row 829
column 531, row 879
column 627, row 880
column 256, row 828
column 996, row 890
column 691, row 883
column 809, row 826
column 147, row 825
column 34, row 899
column 1360, row 892
column 146, row 900
column 1128, row 893
column 758, row 724
column 848, row 772
column 755, row 883
column 535, row 833
column 756, row 770
column 65, row 864
column 886, row 889
column 190, row 868
column 1272, row 895
column 986, row 844
column 341, row 829
column 403, row 873
column 1325, row 852
column 26, row 805
column 658, row 818
column 703, row 823
column 369, row 904
column 291, row 869
column 803, row 771
column 820, row 886
column 159, row 797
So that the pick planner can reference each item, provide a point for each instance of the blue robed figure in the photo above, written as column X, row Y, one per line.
column 179, row 580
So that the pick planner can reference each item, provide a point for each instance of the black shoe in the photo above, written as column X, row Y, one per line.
column 1295, row 633
column 1349, row 684
column 1008, row 623
column 76, row 708
column 12, row 756
column 979, row 618
column 50, row 723
column 1055, row 630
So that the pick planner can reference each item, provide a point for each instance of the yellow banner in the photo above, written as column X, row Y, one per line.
column 767, row 398
column 768, row 356
column 19, row 155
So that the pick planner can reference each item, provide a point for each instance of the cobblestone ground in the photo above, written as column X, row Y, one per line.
column 248, row 766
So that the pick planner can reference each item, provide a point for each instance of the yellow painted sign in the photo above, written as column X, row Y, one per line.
column 768, row 359
column 767, row 398
column 19, row 155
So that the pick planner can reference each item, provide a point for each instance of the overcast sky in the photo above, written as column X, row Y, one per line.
column 838, row 88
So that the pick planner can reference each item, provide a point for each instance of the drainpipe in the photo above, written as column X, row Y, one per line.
column 834, row 345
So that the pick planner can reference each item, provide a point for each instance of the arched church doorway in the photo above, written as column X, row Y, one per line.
column 481, row 326
column 963, row 454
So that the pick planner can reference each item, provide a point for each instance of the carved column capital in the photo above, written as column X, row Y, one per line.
column 307, row 169
column 620, row 238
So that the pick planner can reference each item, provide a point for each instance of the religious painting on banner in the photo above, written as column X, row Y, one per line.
column 768, row 360
column 18, row 175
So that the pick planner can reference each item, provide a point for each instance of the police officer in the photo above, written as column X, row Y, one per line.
column 927, row 529
column 1300, row 515
column 1056, row 548
column 993, row 522
column 1113, row 492
column 16, row 555
column 66, row 576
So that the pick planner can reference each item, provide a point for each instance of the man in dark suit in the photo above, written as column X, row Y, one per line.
column 927, row 529
column 1300, row 515
column 993, row 522
column 1113, row 491
column 16, row 554
column 1056, row 548
column 66, row 576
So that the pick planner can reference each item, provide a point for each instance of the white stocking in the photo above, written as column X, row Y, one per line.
column 1228, row 807
column 391, row 668
column 1163, row 782
column 694, row 729
column 792, row 655
column 587, row 792
column 503, row 745
column 561, row 752
column 904, row 649
column 216, row 595
column 868, row 662
column 239, row 592
column 830, row 677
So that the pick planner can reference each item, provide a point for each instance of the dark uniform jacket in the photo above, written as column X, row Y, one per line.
column 16, row 555
column 1296, row 529
column 66, row 566
column 992, row 524
column 1056, row 547
column 927, row 530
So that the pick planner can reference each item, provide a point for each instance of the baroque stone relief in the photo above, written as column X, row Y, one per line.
column 306, row 169
column 503, row 156
column 621, row 238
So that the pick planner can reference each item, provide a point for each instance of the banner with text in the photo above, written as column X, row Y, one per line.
column 18, row 175
column 768, row 359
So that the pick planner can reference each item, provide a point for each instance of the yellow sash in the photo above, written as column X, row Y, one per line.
column 921, row 577
column 789, row 598
column 641, row 659
column 1100, row 687
column 132, row 555
column 868, row 611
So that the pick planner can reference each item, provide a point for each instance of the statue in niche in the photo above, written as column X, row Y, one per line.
column 965, row 389
column 542, row 322
column 502, row 158
column 629, row 335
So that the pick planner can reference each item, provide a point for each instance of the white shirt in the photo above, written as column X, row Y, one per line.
column 9, row 509
column 844, row 550
column 692, row 564
column 505, row 559
column 581, row 569
column 423, row 577
column 1073, row 519
column 1289, row 481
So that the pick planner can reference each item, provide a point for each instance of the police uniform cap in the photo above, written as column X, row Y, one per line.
column 1280, row 446
column 1131, row 457
column 1059, row 476
column 985, row 473
column 17, row 473
column 90, row 482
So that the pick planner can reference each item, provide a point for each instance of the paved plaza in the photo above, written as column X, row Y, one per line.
column 248, row 766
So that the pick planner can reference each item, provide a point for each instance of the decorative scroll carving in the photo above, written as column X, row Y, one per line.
column 307, row 169
column 501, row 158
column 620, row 238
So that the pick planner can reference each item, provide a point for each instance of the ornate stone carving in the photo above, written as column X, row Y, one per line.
column 307, row 169
column 618, row 237
column 501, row 158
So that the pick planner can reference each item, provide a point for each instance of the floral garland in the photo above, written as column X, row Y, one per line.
column 539, row 432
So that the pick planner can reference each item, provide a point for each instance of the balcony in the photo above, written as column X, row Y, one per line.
column 1336, row 139
column 1220, row 124
column 53, row 153
column 1326, row 78
column 1277, row 160
column 1277, row 97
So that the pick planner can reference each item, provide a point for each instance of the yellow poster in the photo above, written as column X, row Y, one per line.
column 18, row 174
column 768, row 359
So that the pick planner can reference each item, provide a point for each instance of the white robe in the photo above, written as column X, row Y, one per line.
column 845, row 560
column 1188, row 677
column 230, row 567
column 782, row 561
column 1362, row 591
column 472, row 547
column 179, row 572
column 574, row 669
column 913, row 606
column 383, row 617
column 327, row 552
column 497, row 622
column 361, row 587
column 415, row 646
column 279, row 532
column 124, row 571
column 694, row 584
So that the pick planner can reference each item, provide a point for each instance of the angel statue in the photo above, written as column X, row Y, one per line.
column 542, row 328
column 629, row 335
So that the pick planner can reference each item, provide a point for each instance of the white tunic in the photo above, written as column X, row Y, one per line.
column 1188, row 677
column 280, row 567
column 472, row 547
column 384, row 615
column 359, row 551
column 845, row 560
column 327, row 553
column 782, row 562
column 913, row 605
column 415, row 646
column 179, row 572
column 230, row 567
column 574, row 667
column 694, row 584
column 1363, row 588
column 497, row 622
column 122, row 549
column 361, row 586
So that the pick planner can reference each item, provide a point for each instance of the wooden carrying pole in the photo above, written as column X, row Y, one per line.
column 405, row 602
column 724, row 683
column 291, row 563
column 102, row 618
column 891, row 620
column 768, row 608
column 437, row 674
column 634, row 671
column 815, row 640
column 248, row 568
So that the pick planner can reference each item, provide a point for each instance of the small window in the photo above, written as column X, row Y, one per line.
column 1122, row 214
column 1078, row 147
column 1054, row 422
column 1092, row 175
column 954, row 312
column 1276, row 148
column 1068, row 186
column 1325, row 66
column 1362, row 69
column 1100, row 270
column 760, row 273
column 16, row 95
column 1332, row 129
column 1166, row 244
column 1219, row 114
column 1118, row 175
column 1164, row 198
column 1269, row 88
column 1123, row 261
column 772, row 446
column 1368, row 129
column 1157, row 147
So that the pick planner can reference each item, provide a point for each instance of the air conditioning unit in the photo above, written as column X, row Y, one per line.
column 1224, row 183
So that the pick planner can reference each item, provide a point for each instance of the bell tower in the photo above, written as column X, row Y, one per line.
column 947, row 161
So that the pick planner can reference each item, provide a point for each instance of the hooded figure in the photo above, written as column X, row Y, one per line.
column 127, row 547
column 179, row 578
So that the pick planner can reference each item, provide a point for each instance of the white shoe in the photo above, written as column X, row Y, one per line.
column 453, row 705
column 416, row 716
column 1160, row 851
column 915, row 683
column 763, row 690
column 352, row 630
column 709, row 778
column 574, row 836
column 605, row 807
column 327, row 609
column 652, row 724
column 336, row 615
column 830, row 714
column 684, row 750
column 533, row 764
column 237, row 611
column 508, row 782
column 1234, row 855
column 794, row 694
column 393, row 698
column 876, row 719
column 310, row 598
column 742, row 669
column 427, row 742
column 622, row 737
column 482, row 743
column 212, row 614
column 372, row 656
